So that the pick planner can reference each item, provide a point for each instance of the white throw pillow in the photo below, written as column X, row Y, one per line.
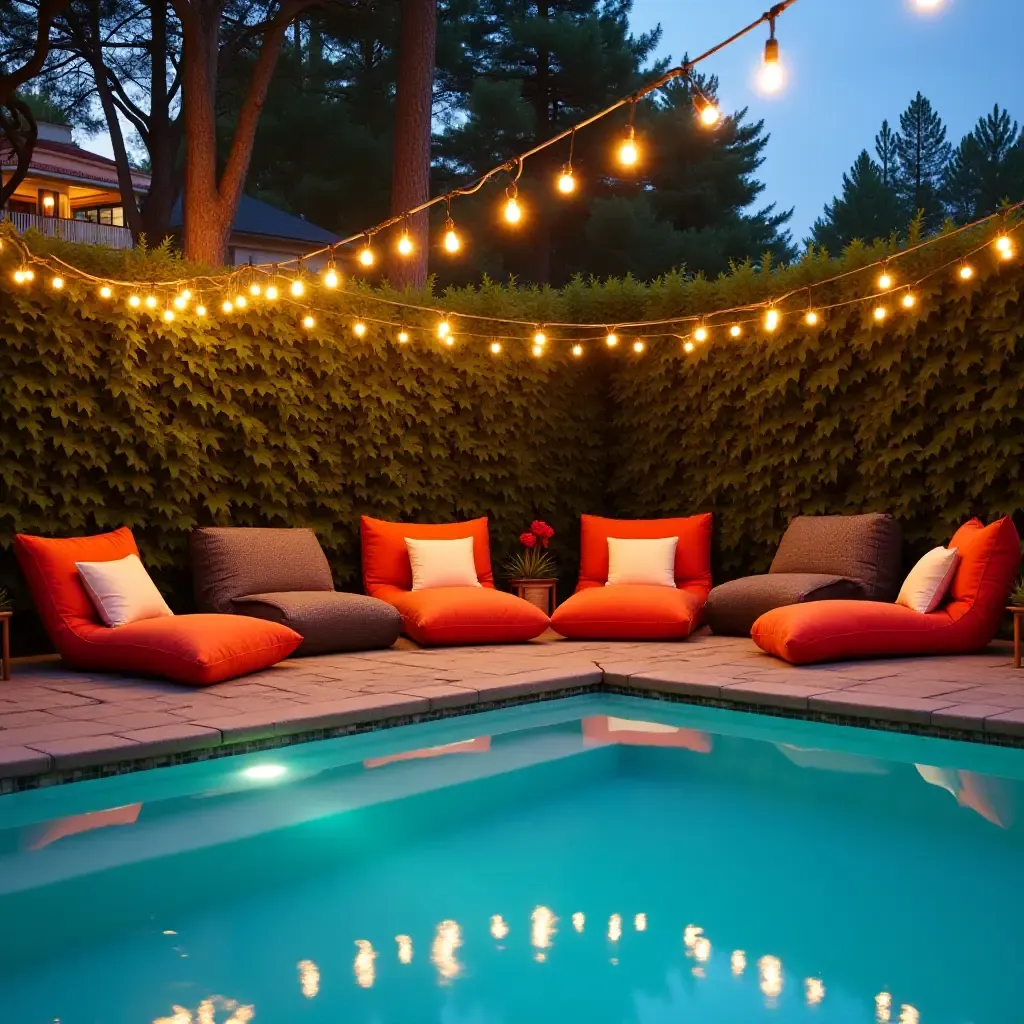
column 651, row 562
column 442, row 563
column 122, row 591
column 929, row 580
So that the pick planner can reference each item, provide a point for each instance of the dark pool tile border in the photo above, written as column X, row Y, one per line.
column 41, row 780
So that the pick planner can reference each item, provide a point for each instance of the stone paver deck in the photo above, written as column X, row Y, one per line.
column 58, row 725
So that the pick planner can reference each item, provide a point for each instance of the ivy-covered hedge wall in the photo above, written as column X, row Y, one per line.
column 921, row 416
column 110, row 417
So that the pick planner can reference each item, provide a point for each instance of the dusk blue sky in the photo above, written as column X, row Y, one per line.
column 851, row 63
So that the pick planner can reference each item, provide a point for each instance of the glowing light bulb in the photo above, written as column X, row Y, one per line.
column 200, row 310
column 540, row 338
column 566, row 182
column 638, row 346
column 495, row 348
column 405, row 246
column 701, row 334
column 538, row 350
column 168, row 315
column 29, row 274
column 297, row 287
column 885, row 281
column 227, row 306
column 909, row 301
column 450, row 340
column 577, row 350
column 359, row 329
column 186, row 294
column 451, row 239
column 255, row 290
column 366, row 256
column 628, row 153
column 272, row 292
column 57, row 283
column 513, row 212
column 771, row 320
column 966, row 272
column 179, row 302
column 331, row 277
column 308, row 322
column 150, row 302
column 710, row 115
column 19, row 276
column 403, row 337
column 687, row 347
column 927, row 5
column 735, row 331
column 611, row 340
column 444, row 329
column 134, row 301
column 106, row 291
column 811, row 319
column 1003, row 243
column 773, row 76
column 241, row 301
column 881, row 313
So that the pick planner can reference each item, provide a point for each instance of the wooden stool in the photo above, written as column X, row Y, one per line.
column 1017, row 613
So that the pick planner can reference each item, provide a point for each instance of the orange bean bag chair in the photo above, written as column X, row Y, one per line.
column 194, row 649
column 631, row 611
column 804, row 634
column 444, row 615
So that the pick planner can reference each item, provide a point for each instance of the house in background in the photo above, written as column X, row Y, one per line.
column 73, row 194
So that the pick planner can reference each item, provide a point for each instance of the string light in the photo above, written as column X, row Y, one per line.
column 735, row 331
column 495, row 348
column 688, row 347
column 366, row 257
column 909, row 301
column 168, row 315
column 444, row 328
column 359, row 329
column 966, row 272
column 179, row 302
column 150, row 302
column 710, row 115
column 200, row 310
column 241, row 302
column 628, row 153
column 255, row 290
column 106, row 292
column 331, row 275
column 773, row 76
column 771, row 319
column 272, row 292
column 186, row 294
column 297, row 287
column 577, row 350
column 134, row 301
column 611, row 339
column 405, row 245
column 1004, row 246
column 566, row 182
column 885, row 281
column 540, row 338
column 19, row 276
column 227, row 306
column 701, row 334
column 308, row 321
column 880, row 313
column 538, row 350
column 57, row 283
column 449, row 340
column 451, row 239
column 638, row 346
column 403, row 336
column 811, row 319
column 513, row 211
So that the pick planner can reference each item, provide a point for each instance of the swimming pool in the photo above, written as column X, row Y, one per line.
column 592, row 859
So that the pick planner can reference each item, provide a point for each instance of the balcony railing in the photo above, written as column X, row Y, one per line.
column 73, row 230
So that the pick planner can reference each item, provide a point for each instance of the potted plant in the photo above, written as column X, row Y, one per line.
column 532, row 572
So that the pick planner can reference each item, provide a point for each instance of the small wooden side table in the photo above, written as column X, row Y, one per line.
column 5, row 644
column 540, row 593
column 1017, row 613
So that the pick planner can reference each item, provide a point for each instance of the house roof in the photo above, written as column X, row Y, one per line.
column 68, row 162
column 257, row 218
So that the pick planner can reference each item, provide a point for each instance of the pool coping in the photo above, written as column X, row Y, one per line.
column 771, row 701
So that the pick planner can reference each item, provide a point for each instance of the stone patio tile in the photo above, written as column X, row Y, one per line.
column 61, row 729
column 991, row 695
column 16, row 761
column 691, row 681
column 1009, row 723
column 444, row 695
column 908, row 687
column 46, row 699
column 350, row 711
column 619, row 673
column 895, row 708
column 171, row 739
column 544, row 680
column 256, row 725
column 327, row 693
column 137, row 720
column 965, row 716
column 116, row 688
column 84, row 751
column 772, row 693
column 21, row 719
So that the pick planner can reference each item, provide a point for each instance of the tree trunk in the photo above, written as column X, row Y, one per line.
column 410, row 182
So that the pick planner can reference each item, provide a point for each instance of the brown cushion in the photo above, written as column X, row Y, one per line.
column 328, row 621
column 229, row 562
column 733, row 607
column 865, row 548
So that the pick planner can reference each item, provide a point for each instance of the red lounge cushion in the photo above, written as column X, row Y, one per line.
column 833, row 630
column 386, row 558
column 196, row 649
column 465, row 615
column 693, row 552
column 629, row 612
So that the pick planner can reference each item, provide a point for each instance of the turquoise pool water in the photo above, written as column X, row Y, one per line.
column 591, row 860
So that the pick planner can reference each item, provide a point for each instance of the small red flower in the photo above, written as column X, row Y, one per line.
column 541, row 529
column 527, row 540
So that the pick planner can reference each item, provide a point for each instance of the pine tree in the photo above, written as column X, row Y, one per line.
column 987, row 168
column 867, row 209
column 885, row 150
column 923, row 155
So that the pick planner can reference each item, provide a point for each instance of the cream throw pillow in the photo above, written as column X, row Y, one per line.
column 442, row 563
column 929, row 580
column 122, row 591
column 651, row 562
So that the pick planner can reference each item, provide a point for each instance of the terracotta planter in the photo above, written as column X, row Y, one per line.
column 540, row 593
